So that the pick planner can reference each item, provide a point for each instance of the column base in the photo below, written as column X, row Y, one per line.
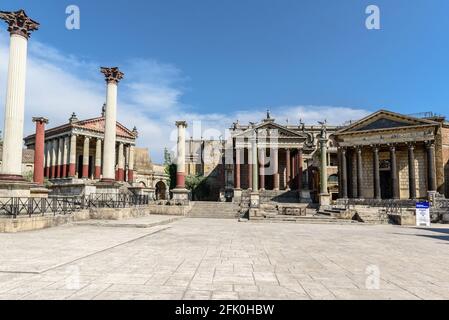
column 181, row 196
column 39, row 192
column 255, row 200
column 15, row 188
column 325, row 200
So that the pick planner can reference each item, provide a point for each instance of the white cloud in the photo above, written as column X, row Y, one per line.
column 149, row 97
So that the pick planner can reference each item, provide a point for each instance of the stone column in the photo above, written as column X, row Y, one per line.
column 237, row 184
column 344, row 174
column 377, row 191
column 39, row 150
column 48, row 160
column 289, row 169
column 60, row 160
column 261, row 166
column 20, row 28
column 86, row 150
column 359, row 172
column 54, row 158
column 65, row 157
column 324, row 187
column 121, row 163
column 277, row 178
column 250, row 169
column 181, row 157
column 255, row 166
column 113, row 77
column 411, row 171
column 72, row 163
column 431, row 172
column 394, row 173
column 98, row 160
column 300, row 170
column 131, row 165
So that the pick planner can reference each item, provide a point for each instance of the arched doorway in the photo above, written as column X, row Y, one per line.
column 161, row 191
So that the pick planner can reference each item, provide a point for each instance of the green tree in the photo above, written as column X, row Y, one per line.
column 198, row 185
column 170, row 169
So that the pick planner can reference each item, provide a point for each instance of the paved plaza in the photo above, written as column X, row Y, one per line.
column 224, row 259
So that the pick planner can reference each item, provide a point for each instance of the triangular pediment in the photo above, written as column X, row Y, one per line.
column 272, row 128
column 385, row 120
column 98, row 125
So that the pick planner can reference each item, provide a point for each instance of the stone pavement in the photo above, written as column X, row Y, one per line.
column 224, row 259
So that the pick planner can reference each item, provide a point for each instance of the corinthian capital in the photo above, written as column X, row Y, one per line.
column 19, row 23
column 112, row 75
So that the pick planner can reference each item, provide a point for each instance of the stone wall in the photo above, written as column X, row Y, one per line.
column 439, row 160
column 445, row 157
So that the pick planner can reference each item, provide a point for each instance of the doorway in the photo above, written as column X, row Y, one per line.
column 386, row 188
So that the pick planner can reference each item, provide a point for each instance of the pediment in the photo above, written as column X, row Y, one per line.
column 271, row 129
column 384, row 120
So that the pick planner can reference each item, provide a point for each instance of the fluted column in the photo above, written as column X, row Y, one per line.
column 411, row 171
column 48, row 159
column 300, row 170
column 181, row 157
column 131, row 164
column 324, row 185
column 431, row 172
column 121, row 163
column 344, row 174
column 72, row 163
column 86, row 150
column 20, row 28
column 359, row 172
column 39, row 150
column 98, row 160
column 250, row 169
column 238, row 164
column 113, row 77
column 376, row 166
column 65, row 157
column 261, row 166
column 394, row 173
column 289, row 169
column 277, row 178
column 60, row 160
column 255, row 166
column 54, row 158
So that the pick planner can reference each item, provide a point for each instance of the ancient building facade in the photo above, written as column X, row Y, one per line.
column 392, row 156
column 287, row 160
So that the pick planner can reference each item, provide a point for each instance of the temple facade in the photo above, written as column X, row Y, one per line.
column 393, row 156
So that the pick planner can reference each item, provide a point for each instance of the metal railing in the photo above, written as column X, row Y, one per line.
column 14, row 207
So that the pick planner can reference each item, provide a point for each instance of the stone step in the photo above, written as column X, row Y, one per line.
column 214, row 210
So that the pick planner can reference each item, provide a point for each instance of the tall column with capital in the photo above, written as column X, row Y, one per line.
column 237, row 178
column 39, row 150
column 250, row 169
column 181, row 156
column 376, row 165
column 131, row 164
column 86, row 150
column 359, row 173
column 431, row 171
column 301, row 170
column 344, row 174
column 113, row 77
column 121, row 163
column 411, row 171
column 255, row 162
column 72, row 163
column 98, row 159
column 394, row 173
column 20, row 28
column 324, row 192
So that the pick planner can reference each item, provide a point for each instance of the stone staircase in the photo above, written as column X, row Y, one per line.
column 309, row 219
column 214, row 210
column 371, row 215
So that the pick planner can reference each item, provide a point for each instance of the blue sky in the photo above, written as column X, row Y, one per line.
column 219, row 60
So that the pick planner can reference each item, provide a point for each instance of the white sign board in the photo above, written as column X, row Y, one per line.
column 423, row 214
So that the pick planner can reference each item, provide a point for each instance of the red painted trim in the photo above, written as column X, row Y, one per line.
column 8, row 177
column 72, row 170
column 180, row 180
column 53, row 172
column 58, row 172
column 130, row 176
column 97, row 173
column 39, row 151
column 120, row 175
column 64, row 171
column 85, row 171
column 47, row 172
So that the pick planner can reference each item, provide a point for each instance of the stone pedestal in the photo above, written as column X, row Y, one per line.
column 325, row 200
column 237, row 196
column 39, row 192
column 15, row 189
column 107, row 187
column 181, row 196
